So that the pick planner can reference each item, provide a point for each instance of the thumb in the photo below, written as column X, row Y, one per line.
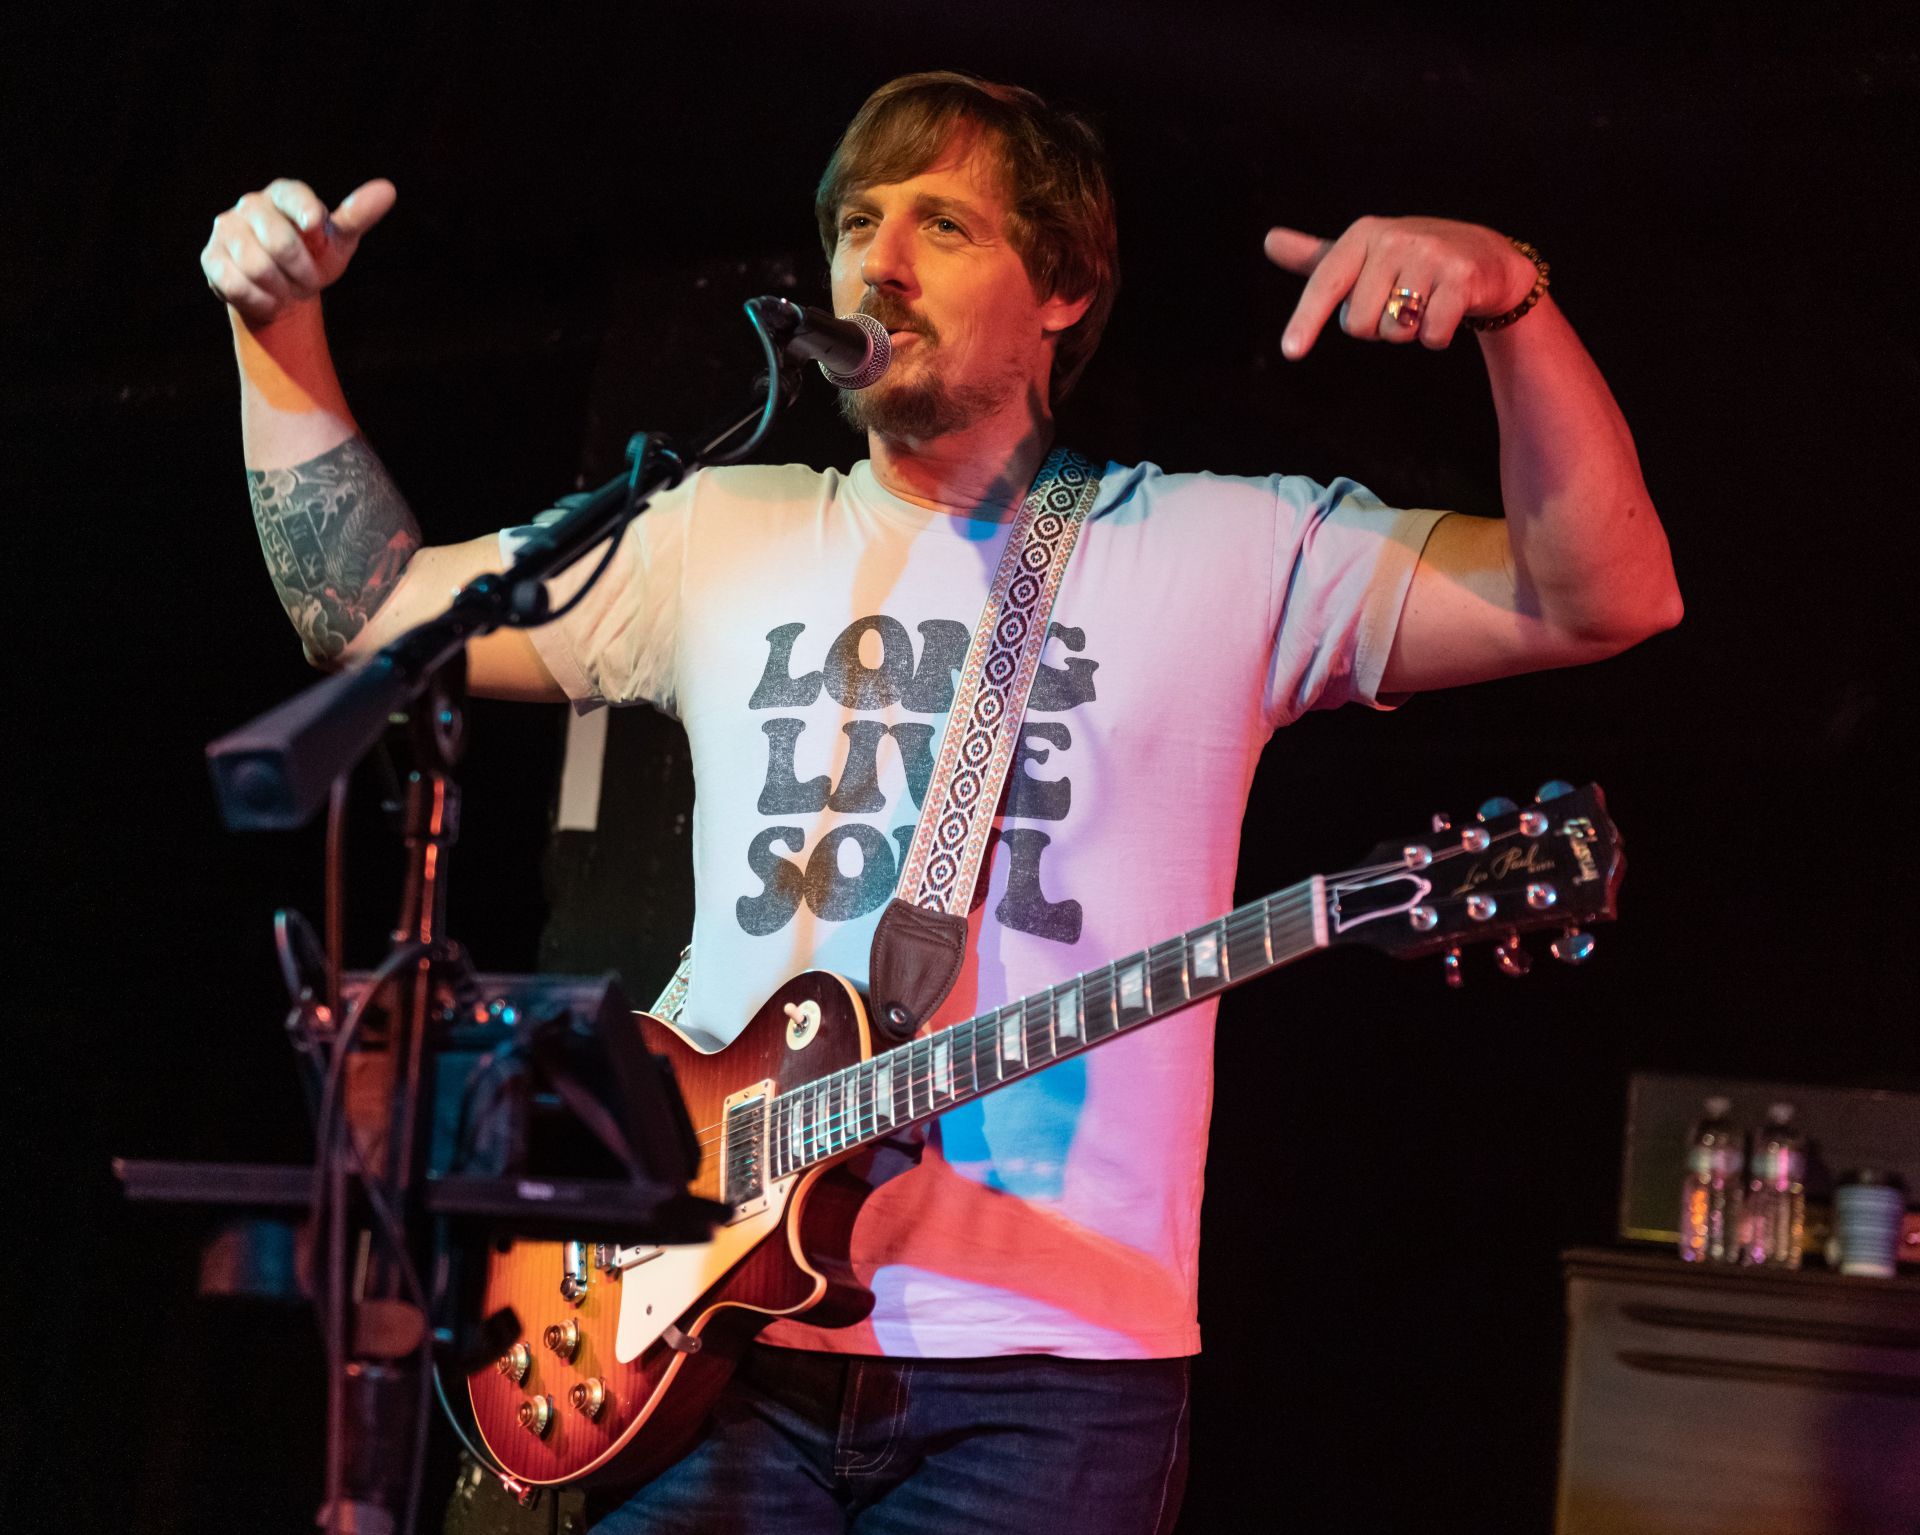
column 1294, row 250
column 362, row 208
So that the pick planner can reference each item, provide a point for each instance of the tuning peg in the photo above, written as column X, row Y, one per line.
column 1512, row 959
column 1452, row 963
column 1442, row 821
column 1494, row 808
column 1553, row 788
column 1572, row 947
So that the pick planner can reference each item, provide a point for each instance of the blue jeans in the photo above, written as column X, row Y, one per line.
column 1026, row 1445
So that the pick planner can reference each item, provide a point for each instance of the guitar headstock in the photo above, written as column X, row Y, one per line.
column 1488, row 878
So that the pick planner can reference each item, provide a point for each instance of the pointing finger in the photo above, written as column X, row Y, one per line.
column 364, row 207
column 1294, row 250
column 1329, row 282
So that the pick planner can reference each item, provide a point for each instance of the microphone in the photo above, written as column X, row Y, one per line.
column 852, row 353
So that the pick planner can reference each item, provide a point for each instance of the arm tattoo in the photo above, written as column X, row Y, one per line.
column 337, row 535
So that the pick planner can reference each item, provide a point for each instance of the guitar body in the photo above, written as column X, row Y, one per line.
column 662, row 1334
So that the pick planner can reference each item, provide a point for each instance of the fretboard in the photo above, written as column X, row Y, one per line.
column 930, row 1075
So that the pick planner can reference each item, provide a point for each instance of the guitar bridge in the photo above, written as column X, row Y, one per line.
column 743, row 1149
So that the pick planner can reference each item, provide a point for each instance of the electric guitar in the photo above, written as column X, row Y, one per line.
column 624, row 1348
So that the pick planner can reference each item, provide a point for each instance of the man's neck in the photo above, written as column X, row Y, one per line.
column 983, row 471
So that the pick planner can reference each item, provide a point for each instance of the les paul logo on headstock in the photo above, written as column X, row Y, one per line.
column 1505, row 864
column 1533, row 859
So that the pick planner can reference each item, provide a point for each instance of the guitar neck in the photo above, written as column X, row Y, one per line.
column 927, row 1076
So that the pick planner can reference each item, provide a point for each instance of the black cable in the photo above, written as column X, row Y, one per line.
column 329, row 1204
column 613, row 545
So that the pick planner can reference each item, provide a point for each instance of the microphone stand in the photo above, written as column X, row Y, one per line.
column 273, row 773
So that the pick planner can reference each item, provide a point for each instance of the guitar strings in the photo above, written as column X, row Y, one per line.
column 1235, row 926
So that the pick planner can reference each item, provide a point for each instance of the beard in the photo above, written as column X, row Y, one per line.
column 919, row 408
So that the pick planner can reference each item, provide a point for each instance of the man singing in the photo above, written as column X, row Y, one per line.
column 1034, row 1260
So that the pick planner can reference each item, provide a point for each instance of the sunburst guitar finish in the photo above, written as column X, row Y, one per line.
column 657, row 1339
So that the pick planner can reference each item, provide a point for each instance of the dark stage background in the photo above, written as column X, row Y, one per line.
column 1726, row 204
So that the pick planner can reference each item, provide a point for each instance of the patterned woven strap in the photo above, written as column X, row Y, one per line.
column 673, row 1001
column 983, row 726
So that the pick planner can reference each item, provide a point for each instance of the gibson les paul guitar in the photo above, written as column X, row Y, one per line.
column 624, row 1348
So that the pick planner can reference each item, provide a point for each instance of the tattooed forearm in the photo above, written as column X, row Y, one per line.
column 337, row 535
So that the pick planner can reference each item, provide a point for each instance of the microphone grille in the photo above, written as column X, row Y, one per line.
column 879, row 356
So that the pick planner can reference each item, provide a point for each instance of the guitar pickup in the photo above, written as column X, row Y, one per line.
column 743, row 1150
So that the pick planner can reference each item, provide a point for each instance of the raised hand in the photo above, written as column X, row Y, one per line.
column 278, row 247
column 1455, row 270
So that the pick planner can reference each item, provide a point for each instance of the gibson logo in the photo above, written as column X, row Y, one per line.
column 1579, row 832
column 1531, row 859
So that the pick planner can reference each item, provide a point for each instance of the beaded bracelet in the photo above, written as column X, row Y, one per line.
column 1502, row 321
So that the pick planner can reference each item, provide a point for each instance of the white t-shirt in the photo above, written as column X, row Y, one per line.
column 806, row 628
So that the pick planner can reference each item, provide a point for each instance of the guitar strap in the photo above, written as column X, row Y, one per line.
column 921, row 941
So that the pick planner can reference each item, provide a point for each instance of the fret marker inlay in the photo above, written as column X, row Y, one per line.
column 1066, row 1013
column 1206, row 957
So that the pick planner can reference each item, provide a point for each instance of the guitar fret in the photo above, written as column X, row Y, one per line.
column 1013, row 1047
column 1246, row 949
column 1036, row 1031
column 1167, row 973
column 1066, row 1012
column 943, row 1065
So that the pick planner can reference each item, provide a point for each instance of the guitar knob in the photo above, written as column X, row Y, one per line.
column 1451, row 962
column 1553, row 788
column 1572, row 947
column 536, row 1415
column 589, row 1397
column 564, row 1338
column 1511, row 958
column 515, row 1363
column 1494, row 808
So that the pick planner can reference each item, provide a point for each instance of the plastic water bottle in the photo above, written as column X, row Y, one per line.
column 1774, row 1217
column 1710, row 1182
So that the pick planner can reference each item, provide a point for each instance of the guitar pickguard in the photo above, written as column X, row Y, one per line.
column 657, row 1291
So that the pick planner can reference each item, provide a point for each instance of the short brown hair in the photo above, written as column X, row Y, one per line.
column 1061, row 220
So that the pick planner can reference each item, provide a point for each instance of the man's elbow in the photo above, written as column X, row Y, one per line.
column 1625, row 625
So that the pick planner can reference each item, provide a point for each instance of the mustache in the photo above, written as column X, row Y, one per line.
column 895, row 315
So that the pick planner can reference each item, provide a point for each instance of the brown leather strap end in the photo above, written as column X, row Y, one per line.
column 917, row 955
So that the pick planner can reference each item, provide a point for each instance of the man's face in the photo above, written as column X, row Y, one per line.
column 929, row 258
